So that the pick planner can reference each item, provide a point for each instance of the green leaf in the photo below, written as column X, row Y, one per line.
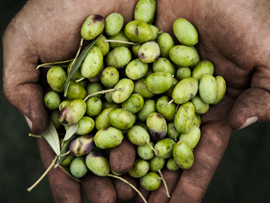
column 70, row 131
column 78, row 62
column 51, row 135
column 69, row 174
column 64, row 150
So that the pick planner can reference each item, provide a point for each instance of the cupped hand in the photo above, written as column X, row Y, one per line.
column 49, row 31
column 232, row 34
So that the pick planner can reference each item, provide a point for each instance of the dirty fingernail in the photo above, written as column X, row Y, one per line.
column 249, row 121
column 29, row 122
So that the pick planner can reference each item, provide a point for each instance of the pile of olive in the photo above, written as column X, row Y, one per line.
column 154, row 94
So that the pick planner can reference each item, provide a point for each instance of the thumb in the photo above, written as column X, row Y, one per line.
column 20, row 79
column 250, row 107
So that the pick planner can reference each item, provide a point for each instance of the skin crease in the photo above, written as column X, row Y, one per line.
column 233, row 35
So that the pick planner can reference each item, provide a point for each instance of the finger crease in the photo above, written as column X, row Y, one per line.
column 192, row 185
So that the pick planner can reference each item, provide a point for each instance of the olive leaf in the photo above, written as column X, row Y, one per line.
column 53, row 63
column 51, row 135
column 70, row 131
column 69, row 174
column 78, row 62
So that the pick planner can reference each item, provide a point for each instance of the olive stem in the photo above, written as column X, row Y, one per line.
column 77, row 55
column 53, row 63
column 78, row 52
column 103, row 92
column 43, row 175
column 37, row 136
column 63, row 154
column 63, row 142
column 147, row 142
column 81, row 79
column 164, row 182
column 173, row 123
column 122, row 179
column 119, row 41
column 170, row 102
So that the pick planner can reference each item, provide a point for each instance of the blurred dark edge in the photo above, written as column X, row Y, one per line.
column 242, row 176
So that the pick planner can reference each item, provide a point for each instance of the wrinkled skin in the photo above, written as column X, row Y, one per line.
column 234, row 35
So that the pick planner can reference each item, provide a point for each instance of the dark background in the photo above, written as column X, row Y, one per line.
column 242, row 176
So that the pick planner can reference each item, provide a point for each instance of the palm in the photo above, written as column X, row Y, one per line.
column 60, row 31
column 227, row 37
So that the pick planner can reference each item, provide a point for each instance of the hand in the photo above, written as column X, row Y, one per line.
column 47, row 31
column 224, row 40
column 234, row 36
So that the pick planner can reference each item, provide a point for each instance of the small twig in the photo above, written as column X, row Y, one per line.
column 59, row 157
column 81, row 79
column 147, row 142
column 119, row 41
column 117, row 177
column 164, row 182
column 71, row 65
column 37, row 136
column 43, row 175
column 48, row 65
column 170, row 102
column 78, row 52
column 103, row 92
column 62, row 144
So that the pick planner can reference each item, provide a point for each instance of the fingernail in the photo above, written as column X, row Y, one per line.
column 249, row 121
column 29, row 122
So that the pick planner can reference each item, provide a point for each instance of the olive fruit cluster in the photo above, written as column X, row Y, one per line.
column 134, row 85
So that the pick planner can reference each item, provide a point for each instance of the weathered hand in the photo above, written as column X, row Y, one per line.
column 234, row 36
column 48, row 31
column 45, row 32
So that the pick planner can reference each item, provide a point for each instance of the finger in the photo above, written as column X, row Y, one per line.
column 98, row 189
column 207, row 155
column 144, row 193
column 250, row 107
column 20, row 77
column 215, row 135
column 122, row 157
column 123, row 190
column 63, row 187
column 171, row 178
